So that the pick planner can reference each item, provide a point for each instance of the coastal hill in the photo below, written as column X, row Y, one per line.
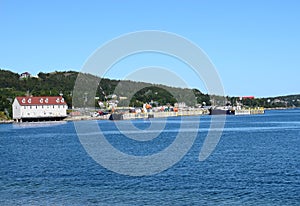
column 62, row 83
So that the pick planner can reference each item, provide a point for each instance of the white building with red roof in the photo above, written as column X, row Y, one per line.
column 39, row 108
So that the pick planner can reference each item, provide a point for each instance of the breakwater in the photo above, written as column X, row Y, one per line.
column 196, row 112
column 250, row 111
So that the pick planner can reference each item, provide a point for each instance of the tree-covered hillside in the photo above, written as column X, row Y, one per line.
column 128, row 93
column 62, row 83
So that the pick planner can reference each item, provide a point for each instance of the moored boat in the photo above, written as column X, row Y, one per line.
column 221, row 111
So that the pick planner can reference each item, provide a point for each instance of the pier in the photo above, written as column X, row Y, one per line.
column 196, row 112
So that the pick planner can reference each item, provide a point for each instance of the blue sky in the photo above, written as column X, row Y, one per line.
column 254, row 45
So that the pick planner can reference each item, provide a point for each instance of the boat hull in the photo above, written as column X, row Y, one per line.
column 221, row 112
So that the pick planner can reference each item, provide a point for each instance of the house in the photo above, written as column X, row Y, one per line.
column 25, row 75
column 180, row 105
column 39, row 108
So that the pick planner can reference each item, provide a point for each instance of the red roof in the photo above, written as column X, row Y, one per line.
column 248, row 97
column 44, row 100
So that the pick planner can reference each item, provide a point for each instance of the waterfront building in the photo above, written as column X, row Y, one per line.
column 43, row 108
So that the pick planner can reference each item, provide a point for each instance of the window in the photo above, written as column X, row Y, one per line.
column 30, row 107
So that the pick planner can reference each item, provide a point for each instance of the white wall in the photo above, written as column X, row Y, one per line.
column 43, row 111
column 35, row 111
column 16, row 110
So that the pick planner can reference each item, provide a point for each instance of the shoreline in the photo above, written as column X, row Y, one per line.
column 281, row 108
column 142, row 115
column 6, row 121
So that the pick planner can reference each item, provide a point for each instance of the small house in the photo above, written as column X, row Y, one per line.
column 25, row 75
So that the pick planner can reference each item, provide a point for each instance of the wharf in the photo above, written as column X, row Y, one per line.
column 197, row 112
column 250, row 111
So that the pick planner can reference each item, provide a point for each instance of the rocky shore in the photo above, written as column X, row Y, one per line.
column 6, row 121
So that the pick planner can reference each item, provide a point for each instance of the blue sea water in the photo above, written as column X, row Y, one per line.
column 256, row 162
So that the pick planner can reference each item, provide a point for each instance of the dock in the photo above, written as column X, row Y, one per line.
column 196, row 112
column 250, row 111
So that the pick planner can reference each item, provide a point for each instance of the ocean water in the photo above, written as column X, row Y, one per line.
column 256, row 162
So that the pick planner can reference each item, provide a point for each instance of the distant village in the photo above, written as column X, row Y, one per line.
column 55, row 108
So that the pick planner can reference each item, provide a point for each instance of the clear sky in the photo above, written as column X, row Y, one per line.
column 254, row 45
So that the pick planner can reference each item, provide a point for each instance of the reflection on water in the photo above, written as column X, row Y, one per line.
column 37, row 124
